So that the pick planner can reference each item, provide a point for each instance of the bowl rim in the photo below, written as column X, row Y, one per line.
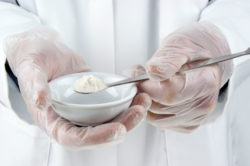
column 94, row 106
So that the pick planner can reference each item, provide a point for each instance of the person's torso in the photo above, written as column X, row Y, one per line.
column 112, row 35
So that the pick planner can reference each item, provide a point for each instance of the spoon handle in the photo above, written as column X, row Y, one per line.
column 186, row 67
column 212, row 61
column 129, row 80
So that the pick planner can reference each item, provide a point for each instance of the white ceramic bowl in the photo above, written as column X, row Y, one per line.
column 90, row 109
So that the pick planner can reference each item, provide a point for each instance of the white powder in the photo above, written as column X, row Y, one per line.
column 88, row 84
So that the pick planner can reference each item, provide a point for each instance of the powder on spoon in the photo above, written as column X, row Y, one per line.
column 88, row 84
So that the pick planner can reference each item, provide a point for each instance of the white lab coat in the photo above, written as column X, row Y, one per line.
column 111, row 35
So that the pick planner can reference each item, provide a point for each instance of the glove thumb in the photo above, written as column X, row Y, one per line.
column 164, row 64
column 33, row 83
column 134, row 71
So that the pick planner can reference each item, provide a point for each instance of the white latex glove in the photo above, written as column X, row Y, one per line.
column 183, row 102
column 38, row 56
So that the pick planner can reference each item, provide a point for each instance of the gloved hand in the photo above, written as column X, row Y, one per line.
column 183, row 102
column 38, row 56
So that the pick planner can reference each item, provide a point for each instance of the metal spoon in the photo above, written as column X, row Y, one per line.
column 183, row 70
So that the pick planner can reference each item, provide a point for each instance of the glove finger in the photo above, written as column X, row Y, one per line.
column 142, row 99
column 174, row 121
column 74, row 137
column 88, row 137
column 136, row 113
column 158, row 108
column 205, row 103
column 195, row 116
column 182, row 88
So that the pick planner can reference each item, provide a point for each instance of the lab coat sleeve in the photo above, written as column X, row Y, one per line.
column 15, row 19
column 232, row 18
